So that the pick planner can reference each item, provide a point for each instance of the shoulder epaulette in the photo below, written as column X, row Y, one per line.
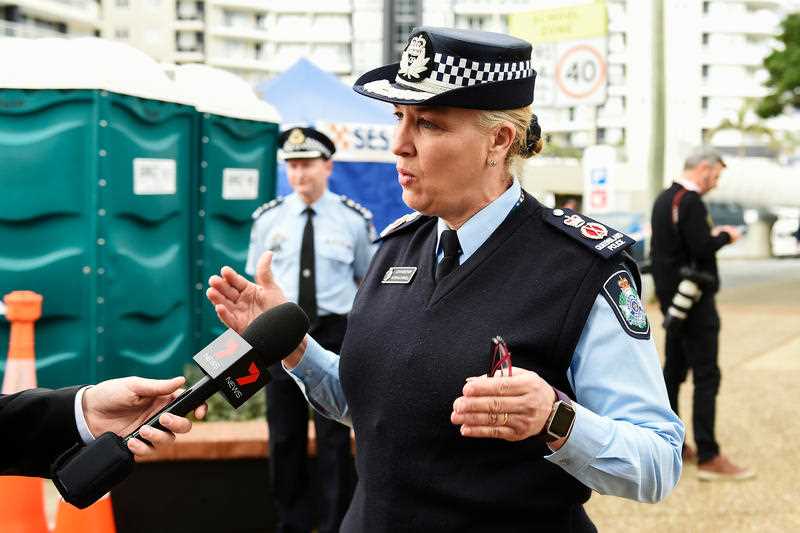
column 599, row 238
column 404, row 222
column 357, row 207
column 263, row 208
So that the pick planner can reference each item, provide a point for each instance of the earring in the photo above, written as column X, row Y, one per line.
column 492, row 163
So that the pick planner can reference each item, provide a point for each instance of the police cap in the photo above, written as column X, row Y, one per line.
column 305, row 143
column 459, row 68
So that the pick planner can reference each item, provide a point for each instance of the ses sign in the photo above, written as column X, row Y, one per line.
column 360, row 142
column 569, row 52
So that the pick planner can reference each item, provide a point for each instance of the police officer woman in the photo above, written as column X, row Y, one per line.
column 442, row 446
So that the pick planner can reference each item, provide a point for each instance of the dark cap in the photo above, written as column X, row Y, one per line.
column 458, row 68
column 305, row 143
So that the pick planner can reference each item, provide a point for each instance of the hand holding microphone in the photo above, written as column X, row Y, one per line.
column 234, row 365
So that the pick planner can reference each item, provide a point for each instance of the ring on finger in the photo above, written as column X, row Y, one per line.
column 505, row 419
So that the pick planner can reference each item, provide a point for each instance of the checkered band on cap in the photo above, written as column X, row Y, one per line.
column 308, row 148
column 452, row 72
column 461, row 72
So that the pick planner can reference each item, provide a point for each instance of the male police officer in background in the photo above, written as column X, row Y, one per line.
column 683, row 236
column 321, row 245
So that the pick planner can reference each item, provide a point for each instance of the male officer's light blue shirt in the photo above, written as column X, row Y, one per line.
column 343, row 248
column 626, row 441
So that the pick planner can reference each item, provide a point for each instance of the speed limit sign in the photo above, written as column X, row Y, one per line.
column 581, row 74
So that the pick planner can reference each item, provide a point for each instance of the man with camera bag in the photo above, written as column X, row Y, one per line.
column 684, row 265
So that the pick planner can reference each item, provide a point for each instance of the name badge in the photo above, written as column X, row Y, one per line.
column 402, row 275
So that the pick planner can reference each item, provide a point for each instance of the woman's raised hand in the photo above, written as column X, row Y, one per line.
column 237, row 301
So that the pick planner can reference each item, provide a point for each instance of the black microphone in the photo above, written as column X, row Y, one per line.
column 234, row 365
column 237, row 366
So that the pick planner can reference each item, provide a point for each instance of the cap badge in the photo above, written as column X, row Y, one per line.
column 414, row 62
column 296, row 136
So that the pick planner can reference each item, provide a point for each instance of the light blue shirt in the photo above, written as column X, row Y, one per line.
column 343, row 235
column 626, row 440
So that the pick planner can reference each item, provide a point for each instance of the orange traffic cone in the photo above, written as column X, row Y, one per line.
column 22, row 507
column 97, row 518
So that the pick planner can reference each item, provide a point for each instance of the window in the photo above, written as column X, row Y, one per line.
column 704, row 103
column 122, row 3
column 601, row 135
column 121, row 34
column 706, row 38
column 571, row 114
column 706, row 7
column 704, row 72
column 402, row 16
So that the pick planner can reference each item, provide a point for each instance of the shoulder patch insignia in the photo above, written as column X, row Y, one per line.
column 620, row 292
column 263, row 208
column 601, row 239
column 401, row 222
column 365, row 213
column 357, row 207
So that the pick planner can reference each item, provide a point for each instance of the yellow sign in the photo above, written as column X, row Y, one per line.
column 560, row 24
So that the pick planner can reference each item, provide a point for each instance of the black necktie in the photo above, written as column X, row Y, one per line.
column 307, row 295
column 452, row 249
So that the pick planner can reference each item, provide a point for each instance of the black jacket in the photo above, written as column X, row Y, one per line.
column 689, row 243
column 36, row 426
column 410, row 346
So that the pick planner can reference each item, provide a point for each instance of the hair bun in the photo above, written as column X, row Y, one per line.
column 533, row 138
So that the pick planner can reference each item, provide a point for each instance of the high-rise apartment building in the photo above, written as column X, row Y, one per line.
column 49, row 18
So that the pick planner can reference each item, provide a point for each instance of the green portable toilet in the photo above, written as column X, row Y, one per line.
column 96, row 154
column 237, row 147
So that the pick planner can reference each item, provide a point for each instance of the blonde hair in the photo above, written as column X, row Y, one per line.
column 526, row 143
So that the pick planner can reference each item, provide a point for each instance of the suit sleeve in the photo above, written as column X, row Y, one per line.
column 695, row 229
column 37, row 426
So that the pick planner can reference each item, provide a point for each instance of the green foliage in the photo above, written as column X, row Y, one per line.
column 552, row 149
column 741, row 124
column 783, row 66
column 220, row 409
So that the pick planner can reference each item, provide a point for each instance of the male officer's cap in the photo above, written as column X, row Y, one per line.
column 305, row 143
column 458, row 68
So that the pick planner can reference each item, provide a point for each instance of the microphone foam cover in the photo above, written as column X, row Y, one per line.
column 275, row 333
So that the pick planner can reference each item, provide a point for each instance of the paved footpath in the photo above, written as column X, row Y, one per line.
column 757, row 421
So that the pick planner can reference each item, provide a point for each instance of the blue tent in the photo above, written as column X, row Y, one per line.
column 364, row 167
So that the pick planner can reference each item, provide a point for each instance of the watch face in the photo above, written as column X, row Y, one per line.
column 562, row 420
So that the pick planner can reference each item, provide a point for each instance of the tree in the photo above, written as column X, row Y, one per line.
column 784, row 74
column 742, row 125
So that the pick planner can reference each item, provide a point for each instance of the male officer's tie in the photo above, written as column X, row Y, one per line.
column 307, row 295
column 452, row 249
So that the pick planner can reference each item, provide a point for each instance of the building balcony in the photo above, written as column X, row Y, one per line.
column 329, row 64
column 189, row 56
column 310, row 6
column 241, row 33
column 286, row 6
column 759, row 23
column 311, row 35
column 744, row 55
column 730, row 88
column 238, row 63
column 489, row 7
column 73, row 12
column 25, row 31
column 189, row 25
column 239, row 5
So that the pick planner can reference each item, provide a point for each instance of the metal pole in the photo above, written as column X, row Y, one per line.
column 657, row 144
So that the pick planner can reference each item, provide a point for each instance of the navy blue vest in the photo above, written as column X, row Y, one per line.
column 409, row 348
